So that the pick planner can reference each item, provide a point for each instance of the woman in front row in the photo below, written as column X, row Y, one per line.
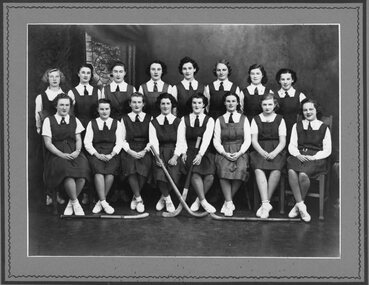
column 198, row 124
column 65, row 163
column 163, row 137
column 231, row 140
column 309, row 147
column 103, row 141
column 268, row 135
column 136, row 159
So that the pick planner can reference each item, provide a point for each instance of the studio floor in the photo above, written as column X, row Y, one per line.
column 184, row 235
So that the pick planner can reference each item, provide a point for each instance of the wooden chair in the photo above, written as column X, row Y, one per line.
column 323, row 179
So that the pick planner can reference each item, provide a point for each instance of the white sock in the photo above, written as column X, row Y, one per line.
column 74, row 201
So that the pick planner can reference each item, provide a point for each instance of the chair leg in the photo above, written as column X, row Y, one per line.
column 282, row 186
column 55, row 202
column 321, row 196
column 247, row 197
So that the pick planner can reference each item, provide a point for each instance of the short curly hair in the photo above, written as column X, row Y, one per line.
column 187, row 59
column 163, row 67
column 226, row 63
column 264, row 80
column 283, row 71
column 317, row 106
column 166, row 96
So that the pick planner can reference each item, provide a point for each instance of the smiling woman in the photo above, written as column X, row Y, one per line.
column 64, row 162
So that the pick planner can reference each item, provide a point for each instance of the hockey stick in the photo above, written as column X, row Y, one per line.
column 184, row 204
column 185, row 188
column 253, row 219
column 102, row 216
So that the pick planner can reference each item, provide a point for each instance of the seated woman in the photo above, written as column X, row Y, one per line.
column 136, row 159
column 268, row 135
column 310, row 145
column 231, row 140
column 163, row 137
column 65, row 163
column 194, row 125
column 103, row 141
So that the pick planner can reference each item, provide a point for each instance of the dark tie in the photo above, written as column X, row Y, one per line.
column 256, row 91
column 62, row 122
column 85, row 91
column 309, row 127
column 197, row 122
column 105, row 128
column 230, row 119
column 137, row 119
column 287, row 95
column 166, row 122
column 221, row 88
column 155, row 87
column 117, row 90
column 190, row 87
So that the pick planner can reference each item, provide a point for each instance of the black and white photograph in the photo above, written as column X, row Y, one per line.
column 160, row 148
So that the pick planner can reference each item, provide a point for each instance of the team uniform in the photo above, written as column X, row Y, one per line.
column 119, row 96
column 85, row 99
column 232, row 137
column 215, row 92
column 289, row 106
column 188, row 134
column 104, row 138
column 63, row 136
column 252, row 95
column 152, row 89
column 163, row 137
column 309, row 139
column 183, row 92
column 268, row 138
column 135, row 133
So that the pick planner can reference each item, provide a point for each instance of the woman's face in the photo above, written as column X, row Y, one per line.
column 198, row 105
column 118, row 73
column 222, row 71
column 309, row 111
column 268, row 106
column 84, row 75
column 286, row 81
column 188, row 71
column 231, row 103
column 104, row 111
column 54, row 79
column 256, row 75
column 63, row 107
column 136, row 104
column 165, row 106
column 156, row 71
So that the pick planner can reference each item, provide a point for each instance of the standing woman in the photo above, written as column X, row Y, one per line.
column 44, row 102
column 155, row 86
column 231, row 140
column 84, row 95
column 103, row 141
column 136, row 159
column 45, row 107
column 268, row 135
column 188, row 86
column 257, row 78
column 65, row 163
column 194, row 125
column 216, row 90
column 118, row 91
column 310, row 145
column 289, row 97
column 163, row 137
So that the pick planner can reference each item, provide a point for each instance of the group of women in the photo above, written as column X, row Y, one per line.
column 253, row 128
